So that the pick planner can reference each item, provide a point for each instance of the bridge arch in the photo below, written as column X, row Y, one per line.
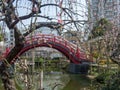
column 71, row 51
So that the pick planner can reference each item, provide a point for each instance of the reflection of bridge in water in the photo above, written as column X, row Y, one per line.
column 71, row 51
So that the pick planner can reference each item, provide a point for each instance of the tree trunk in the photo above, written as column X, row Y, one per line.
column 6, row 70
column 7, row 76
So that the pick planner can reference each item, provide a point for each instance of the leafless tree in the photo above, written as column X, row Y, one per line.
column 13, row 17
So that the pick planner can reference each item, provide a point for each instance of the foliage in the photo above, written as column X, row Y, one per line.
column 109, row 80
column 102, row 77
column 113, row 83
column 96, row 54
column 100, row 28
column 39, row 59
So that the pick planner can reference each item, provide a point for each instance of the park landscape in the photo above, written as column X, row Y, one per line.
column 58, row 45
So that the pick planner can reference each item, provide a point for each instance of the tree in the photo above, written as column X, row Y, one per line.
column 102, row 39
column 96, row 36
column 12, row 17
column 100, row 28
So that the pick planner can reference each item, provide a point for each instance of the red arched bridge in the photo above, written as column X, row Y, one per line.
column 71, row 51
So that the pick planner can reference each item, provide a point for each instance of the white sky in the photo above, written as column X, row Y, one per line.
column 53, row 11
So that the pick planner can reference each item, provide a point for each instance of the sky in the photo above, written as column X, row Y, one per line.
column 53, row 12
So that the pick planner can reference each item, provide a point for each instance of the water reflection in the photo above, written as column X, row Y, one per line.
column 57, row 80
column 51, row 78
column 78, row 82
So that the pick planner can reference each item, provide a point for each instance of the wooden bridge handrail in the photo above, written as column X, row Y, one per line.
column 56, row 39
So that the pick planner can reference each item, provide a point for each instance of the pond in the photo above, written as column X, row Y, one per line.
column 50, row 78
column 56, row 81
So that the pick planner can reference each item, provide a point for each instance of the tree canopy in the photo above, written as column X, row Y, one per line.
column 100, row 28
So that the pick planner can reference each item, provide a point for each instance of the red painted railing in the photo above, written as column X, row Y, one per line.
column 45, row 38
column 69, row 49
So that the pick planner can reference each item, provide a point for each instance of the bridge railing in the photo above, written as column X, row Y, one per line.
column 56, row 39
column 44, row 38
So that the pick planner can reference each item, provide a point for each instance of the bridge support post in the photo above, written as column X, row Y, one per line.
column 81, row 68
